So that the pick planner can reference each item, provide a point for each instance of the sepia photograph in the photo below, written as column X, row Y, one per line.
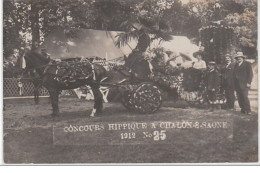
column 130, row 82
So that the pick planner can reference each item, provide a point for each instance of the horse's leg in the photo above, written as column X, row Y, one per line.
column 37, row 86
column 54, row 96
column 98, row 99
column 36, row 93
column 36, row 96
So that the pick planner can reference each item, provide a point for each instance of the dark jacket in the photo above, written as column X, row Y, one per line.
column 213, row 80
column 243, row 74
column 228, row 75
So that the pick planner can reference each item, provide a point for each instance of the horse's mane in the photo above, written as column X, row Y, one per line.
column 34, row 54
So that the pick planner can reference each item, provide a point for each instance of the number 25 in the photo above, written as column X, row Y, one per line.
column 159, row 135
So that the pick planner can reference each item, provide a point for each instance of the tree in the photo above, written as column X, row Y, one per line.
column 241, row 15
column 245, row 27
column 145, row 23
column 109, row 14
column 28, row 22
column 15, row 24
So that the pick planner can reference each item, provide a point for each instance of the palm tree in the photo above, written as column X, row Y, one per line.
column 144, row 31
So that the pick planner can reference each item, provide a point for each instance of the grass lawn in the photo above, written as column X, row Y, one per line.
column 28, row 135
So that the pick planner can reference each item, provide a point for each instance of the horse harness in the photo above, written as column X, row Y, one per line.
column 60, row 66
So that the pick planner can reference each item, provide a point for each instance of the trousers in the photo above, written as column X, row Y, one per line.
column 230, row 96
column 242, row 96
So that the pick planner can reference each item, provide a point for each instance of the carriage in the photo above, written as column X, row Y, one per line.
column 137, row 94
column 140, row 86
column 143, row 93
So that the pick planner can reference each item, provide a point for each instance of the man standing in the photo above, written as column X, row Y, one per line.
column 212, row 85
column 228, row 82
column 243, row 75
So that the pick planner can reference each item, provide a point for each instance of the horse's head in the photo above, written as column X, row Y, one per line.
column 35, row 64
column 35, row 61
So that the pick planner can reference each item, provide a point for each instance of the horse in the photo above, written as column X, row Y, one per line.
column 50, row 76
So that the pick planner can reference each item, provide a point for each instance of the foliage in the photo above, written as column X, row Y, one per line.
column 217, row 40
column 15, row 21
column 145, row 23
column 240, row 15
column 26, row 23
column 245, row 27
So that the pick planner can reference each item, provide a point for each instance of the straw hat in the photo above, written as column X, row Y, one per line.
column 240, row 54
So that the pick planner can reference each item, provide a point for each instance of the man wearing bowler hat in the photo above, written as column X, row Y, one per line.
column 243, row 75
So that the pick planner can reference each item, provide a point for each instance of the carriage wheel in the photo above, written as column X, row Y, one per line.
column 127, row 100
column 126, row 97
column 147, row 98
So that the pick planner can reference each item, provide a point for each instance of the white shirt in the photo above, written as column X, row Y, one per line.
column 211, row 70
column 239, row 64
column 228, row 64
column 200, row 65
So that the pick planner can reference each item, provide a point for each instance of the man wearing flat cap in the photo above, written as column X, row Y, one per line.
column 243, row 75
column 228, row 82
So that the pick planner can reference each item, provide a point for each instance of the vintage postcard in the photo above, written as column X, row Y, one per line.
column 130, row 82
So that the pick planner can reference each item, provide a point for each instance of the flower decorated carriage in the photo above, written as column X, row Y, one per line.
column 144, row 94
column 188, row 82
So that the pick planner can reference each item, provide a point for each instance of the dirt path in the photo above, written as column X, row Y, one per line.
column 28, row 136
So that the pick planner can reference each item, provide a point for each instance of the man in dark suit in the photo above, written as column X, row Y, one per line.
column 228, row 82
column 243, row 75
